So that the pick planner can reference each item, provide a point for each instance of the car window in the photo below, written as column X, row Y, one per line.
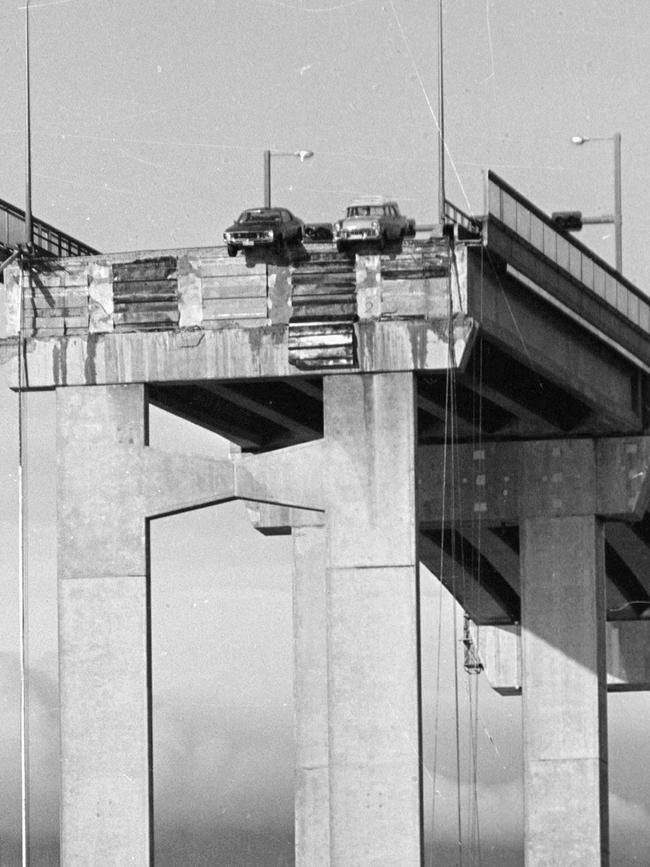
column 261, row 216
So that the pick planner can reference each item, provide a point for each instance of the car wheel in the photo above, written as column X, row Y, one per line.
column 341, row 247
column 232, row 250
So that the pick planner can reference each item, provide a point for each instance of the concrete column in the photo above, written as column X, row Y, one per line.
column 564, row 692
column 310, row 698
column 373, row 622
column 103, row 627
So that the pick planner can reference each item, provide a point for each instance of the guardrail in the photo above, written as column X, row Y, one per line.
column 523, row 219
column 47, row 240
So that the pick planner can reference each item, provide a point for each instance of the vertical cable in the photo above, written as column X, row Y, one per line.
column 22, row 592
column 22, row 564
column 28, row 139
column 441, row 121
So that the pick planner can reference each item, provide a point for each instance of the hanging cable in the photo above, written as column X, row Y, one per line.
column 441, row 121
column 22, row 585
column 22, row 501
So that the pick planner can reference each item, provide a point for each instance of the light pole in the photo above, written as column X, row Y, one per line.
column 302, row 156
column 617, row 217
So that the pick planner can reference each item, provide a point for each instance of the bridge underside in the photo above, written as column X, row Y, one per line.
column 530, row 373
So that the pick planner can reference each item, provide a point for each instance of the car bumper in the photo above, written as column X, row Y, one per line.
column 249, row 240
column 357, row 234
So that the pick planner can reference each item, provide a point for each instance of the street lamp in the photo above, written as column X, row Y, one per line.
column 617, row 217
column 302, row 156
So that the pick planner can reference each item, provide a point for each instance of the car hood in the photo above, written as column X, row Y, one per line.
column 261, row 226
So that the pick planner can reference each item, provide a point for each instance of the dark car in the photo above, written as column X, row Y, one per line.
column 269, row 227
column 318, row 232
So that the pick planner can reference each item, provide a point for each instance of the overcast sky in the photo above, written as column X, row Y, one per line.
column 150, row 120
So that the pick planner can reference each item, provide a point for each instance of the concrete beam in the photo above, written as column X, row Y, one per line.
column 311, row 792
column 528, row 327
column 290, row 477
column 500, row 483
column 192, row 354
column 627, row 653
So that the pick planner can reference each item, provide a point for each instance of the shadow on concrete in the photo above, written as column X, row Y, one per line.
column 289, row 254
column 372, row 248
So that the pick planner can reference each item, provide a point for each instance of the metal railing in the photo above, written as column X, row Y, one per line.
column 456, row 215
column 47, row 240
column 522, row 218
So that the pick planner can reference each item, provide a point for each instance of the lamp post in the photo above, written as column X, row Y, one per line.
column 302, row 156
column 617, row 217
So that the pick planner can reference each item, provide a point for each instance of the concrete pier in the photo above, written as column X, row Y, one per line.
column 311, row 794
column 103, row 628
column 564, row 692
column 373, row 621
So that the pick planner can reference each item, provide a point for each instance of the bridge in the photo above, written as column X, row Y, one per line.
column 476, row 401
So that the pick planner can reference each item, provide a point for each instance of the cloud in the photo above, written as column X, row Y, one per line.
column 220, row 766
column 499, row 809
column 43, row 758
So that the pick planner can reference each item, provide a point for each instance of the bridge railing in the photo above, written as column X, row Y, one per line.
column 522, row 218
column 47, row 239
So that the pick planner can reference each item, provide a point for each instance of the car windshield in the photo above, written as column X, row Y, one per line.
column 366, row 211
column 259, row 216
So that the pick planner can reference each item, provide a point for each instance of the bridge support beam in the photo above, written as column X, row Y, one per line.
column 564, row 691
column 110, row 482
column 311, row 796
column 373, row 664
column 103, row 628
column 560, row 493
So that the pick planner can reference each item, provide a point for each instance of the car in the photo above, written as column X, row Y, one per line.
column 268, row 227
column 374, row 219
column 318, row 232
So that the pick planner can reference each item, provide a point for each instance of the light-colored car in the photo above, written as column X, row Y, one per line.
column 374, row 219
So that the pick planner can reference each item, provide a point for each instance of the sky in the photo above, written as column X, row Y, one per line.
column 149, row 122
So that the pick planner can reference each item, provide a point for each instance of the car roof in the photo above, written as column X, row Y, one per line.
column 371, row 200
column 263, row 210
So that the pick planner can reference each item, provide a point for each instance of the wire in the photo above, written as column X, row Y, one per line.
column 437, row 123
column 22, row 585
column 22, row 504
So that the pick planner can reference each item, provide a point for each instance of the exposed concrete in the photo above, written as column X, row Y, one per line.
column 103, row 629
column 517, row 318
column 227, row 353
column 374, row 716
column 628, row 656
column 109, row 483
column 498, row 482
column 564, row 694
column 312, row 803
